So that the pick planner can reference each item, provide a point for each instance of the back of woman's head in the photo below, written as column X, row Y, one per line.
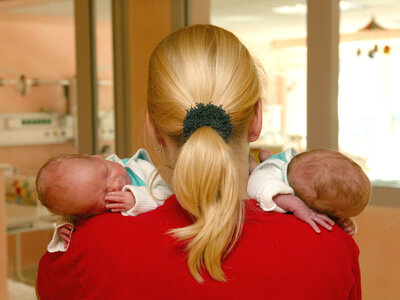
column 204, row 64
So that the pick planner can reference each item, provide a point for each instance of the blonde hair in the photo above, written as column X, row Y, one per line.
column 47, row 183
column 330, row 182
column 204, row 64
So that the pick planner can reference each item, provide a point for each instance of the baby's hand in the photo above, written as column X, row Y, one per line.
column 65, row 232
column 119, row 201
column 297, row 206
column 348, row 225
column 313, row 218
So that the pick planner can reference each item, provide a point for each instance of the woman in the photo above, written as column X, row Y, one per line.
column 207, row 241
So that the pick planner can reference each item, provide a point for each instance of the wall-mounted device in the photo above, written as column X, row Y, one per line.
column 35, row 128
column 19, row 129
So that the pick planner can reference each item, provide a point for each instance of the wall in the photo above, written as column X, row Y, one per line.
column 378, row 238
column 3, row 243
column 144, row 37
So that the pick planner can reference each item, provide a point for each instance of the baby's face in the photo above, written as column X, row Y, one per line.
column 111, row 175
column 89, row 180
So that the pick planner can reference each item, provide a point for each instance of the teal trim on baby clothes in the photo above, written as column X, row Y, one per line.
column 136, row 181
column 281, row 156
column 141, row 156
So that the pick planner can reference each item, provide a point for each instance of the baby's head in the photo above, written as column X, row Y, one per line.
column 329, row 182
column 75, row 185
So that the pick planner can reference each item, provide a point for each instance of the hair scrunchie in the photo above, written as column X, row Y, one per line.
column 207, row 115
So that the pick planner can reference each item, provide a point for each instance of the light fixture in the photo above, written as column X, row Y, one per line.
column 373, row 27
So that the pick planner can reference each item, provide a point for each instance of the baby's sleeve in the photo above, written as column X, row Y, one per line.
column 144, row 200
column 56, row 244
column 264, row 184
column 160, row 191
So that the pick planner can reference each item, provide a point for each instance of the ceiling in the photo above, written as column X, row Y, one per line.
column 251, row 18
column 256, row 17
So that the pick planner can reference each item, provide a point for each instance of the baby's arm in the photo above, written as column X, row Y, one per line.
column 144, row 201
column 297, row 206
column 62, row 235
column 264, row 184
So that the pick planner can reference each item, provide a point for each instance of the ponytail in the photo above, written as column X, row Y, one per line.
column 206, row 184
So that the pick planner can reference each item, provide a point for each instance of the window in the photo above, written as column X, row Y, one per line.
column 267, row 29
column 369, row 107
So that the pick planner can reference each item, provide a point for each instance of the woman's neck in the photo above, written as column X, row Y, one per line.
column 242, row 156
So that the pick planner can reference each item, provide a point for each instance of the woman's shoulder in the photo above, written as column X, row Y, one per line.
column 297, row 258
column 168, row 216
column 284, row 229
column 291, row 233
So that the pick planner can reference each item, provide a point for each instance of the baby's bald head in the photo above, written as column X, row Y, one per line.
column 56, row 183
column 330, row 182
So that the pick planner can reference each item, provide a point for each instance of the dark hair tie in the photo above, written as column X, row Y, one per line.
column 207, row 115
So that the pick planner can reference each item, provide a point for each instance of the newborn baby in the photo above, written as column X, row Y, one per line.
column 74, row 185
column 322, row 181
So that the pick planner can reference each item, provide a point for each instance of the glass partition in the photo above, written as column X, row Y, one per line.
column 275, row 35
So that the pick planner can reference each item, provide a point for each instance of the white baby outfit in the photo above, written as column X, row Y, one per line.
column 270, row 179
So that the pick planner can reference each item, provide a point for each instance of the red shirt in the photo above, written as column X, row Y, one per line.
column 277, row 257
